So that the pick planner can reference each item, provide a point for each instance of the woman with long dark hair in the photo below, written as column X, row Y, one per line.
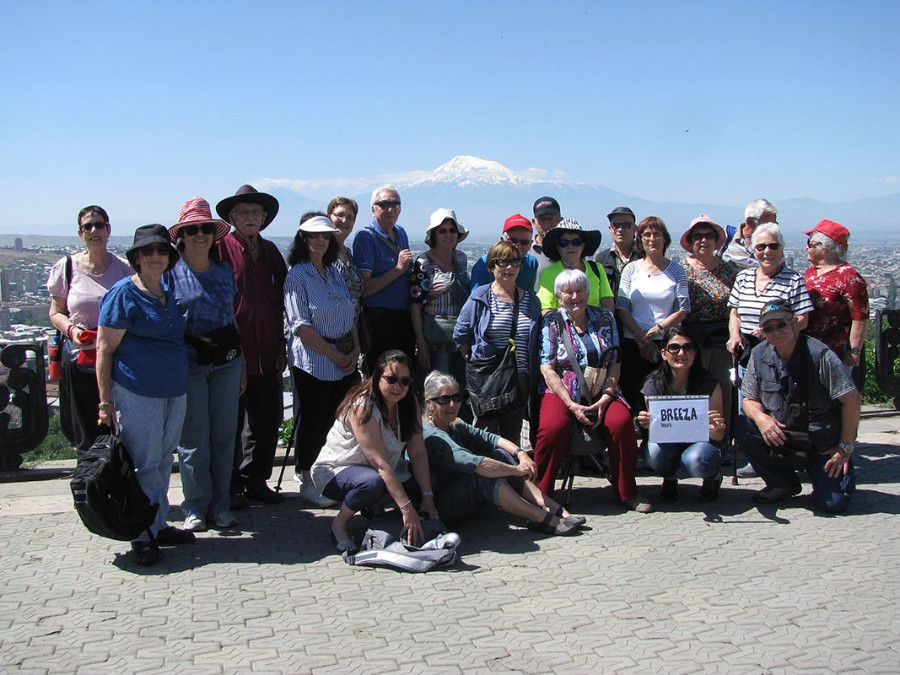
column 363, row 456
column 680, row 374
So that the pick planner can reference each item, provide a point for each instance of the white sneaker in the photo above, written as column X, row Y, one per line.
column 194, row 524
column 224, row 519
column 309, row 493
column 298, row 477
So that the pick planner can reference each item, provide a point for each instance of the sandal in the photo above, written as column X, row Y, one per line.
column 578, row 520
column 563, row 527
column 344, row 545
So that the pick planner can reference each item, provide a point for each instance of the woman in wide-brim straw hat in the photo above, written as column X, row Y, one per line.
column 142, row 376
column 570, row 247
column 205, row 291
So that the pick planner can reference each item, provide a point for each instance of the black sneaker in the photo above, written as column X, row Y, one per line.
column 145, row 553
column 669, row 491
column 173, row 536
column 771, row 494
column 709, row 490
column 263, row 493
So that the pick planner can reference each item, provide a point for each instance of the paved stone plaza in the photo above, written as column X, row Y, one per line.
column 726, row 587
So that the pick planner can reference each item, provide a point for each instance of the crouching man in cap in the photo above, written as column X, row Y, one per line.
column 259, row 271
column 802, row 412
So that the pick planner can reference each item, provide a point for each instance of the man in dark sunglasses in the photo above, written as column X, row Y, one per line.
column 517, row 231
column 382, row 256
column 802, row 412
column 547, row 215
column 622, row 231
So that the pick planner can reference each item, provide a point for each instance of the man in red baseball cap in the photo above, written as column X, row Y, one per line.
column 518, row 232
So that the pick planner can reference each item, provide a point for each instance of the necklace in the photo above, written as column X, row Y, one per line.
column 161, row 296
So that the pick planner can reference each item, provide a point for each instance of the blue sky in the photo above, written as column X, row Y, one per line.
column 138, row 106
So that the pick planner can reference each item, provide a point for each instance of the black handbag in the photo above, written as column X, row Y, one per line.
column 493, row 382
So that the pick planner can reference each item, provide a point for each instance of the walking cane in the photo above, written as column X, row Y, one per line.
column 735, row 385
column 290, row 442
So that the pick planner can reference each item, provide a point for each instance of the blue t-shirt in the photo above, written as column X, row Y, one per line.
column 206, row 299
column 372, row 254
column 151, row 359
column 527, row 278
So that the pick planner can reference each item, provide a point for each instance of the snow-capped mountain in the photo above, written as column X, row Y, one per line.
column 469, row 171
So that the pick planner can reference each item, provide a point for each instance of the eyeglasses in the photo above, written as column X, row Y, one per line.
column 812, row 244
column 393, row 379
column 388, row 204
column 244, row 213
column 316, row 235
column 697, row 236
column 621, row 226
column 343, row 215
column 158, row 249
column 445, row 400
column 652, row 234
column 512, row 262
column 565, row 243
column 774, row 246
column 87, row 227
column 772, row 327
column 674, row 348
column 192, row 230
column 517, row 241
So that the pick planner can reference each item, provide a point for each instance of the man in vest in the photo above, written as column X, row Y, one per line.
column 802, row 412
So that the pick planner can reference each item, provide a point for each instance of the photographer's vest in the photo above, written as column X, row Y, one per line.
column 793, row 394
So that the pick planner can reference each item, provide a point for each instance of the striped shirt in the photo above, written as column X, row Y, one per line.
column 786, row 285
column 501, row 325
column 323, row 304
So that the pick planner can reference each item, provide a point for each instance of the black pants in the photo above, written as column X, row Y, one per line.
column 389, row 329
column 315, row 402
column 635, row 369
column 259, row 421
column 78, row 403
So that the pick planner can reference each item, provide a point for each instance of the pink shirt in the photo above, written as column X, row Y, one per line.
column 83, row 298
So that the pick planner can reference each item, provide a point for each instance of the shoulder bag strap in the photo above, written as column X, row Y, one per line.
column 391, row 245
column 570, row 352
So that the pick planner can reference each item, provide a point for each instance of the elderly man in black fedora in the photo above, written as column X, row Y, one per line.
column 259, row 271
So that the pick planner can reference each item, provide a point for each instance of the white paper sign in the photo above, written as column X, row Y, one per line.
column 679, row 419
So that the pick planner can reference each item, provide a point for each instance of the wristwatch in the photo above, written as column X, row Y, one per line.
column 854, row 351
column 846, row 448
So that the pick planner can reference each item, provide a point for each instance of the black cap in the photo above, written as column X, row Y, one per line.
column 546, row 205
column 621, row 211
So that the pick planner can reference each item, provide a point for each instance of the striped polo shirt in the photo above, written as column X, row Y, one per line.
column 786, row 285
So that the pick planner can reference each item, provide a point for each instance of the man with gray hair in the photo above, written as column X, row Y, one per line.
column 738, row 253
column 382, row 256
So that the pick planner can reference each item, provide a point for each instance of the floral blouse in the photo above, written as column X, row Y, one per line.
column 709, row 291
column 601, row 331
column 839, row 296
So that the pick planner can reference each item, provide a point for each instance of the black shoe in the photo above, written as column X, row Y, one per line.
column 669, row 491
column 172, row 536
column 263, row 493
column 238, row 503
column 145, row 553
column 709, row 491
column 770, row 494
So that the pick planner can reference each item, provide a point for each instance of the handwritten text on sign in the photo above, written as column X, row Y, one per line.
column 679, row 419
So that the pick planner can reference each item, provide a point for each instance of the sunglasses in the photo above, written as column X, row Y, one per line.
column 316, row 235
column 697, row 236
column 674, row 348
column 774, row 246
column 514, row 262
column 445, row 400
column 393, row 379
column 243, row 213
column 621, row 226
column 158, row 249
column 193, row 230
column 565, row 243
column 94, row 226
column 813, row 244
column 516, row 240
column 771, row 328
column 447, row 230
column 388, row 204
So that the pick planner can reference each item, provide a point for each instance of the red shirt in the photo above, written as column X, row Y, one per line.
column 838, row 297
column 259, row 313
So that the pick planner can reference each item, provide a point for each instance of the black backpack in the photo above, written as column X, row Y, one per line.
column 107, row 494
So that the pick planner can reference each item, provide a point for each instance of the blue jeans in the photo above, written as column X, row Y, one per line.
column 695, row 460
column 206, row 450
column 831, row 494
column 150, row 428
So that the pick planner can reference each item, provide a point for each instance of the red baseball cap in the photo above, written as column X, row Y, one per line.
column 517, row 220
column 832, row 229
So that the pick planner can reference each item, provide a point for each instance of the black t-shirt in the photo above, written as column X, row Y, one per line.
column 707, row 386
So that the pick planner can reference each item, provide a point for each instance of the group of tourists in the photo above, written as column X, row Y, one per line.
column 396, row 360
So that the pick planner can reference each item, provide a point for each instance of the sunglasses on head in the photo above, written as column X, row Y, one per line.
column 771, row 328
column 445, row 400
column 193, row 230
column 674, row 348
column 774, row 246
column 393, row 379
column 565, row 243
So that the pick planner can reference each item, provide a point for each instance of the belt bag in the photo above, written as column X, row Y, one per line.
column 217, row 347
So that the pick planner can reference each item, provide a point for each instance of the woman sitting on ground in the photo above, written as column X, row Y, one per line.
column 472, row 467
column 363, row 456
column 680, row 374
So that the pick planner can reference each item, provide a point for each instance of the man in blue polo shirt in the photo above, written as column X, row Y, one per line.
column 518, row 232
column 381, row 253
